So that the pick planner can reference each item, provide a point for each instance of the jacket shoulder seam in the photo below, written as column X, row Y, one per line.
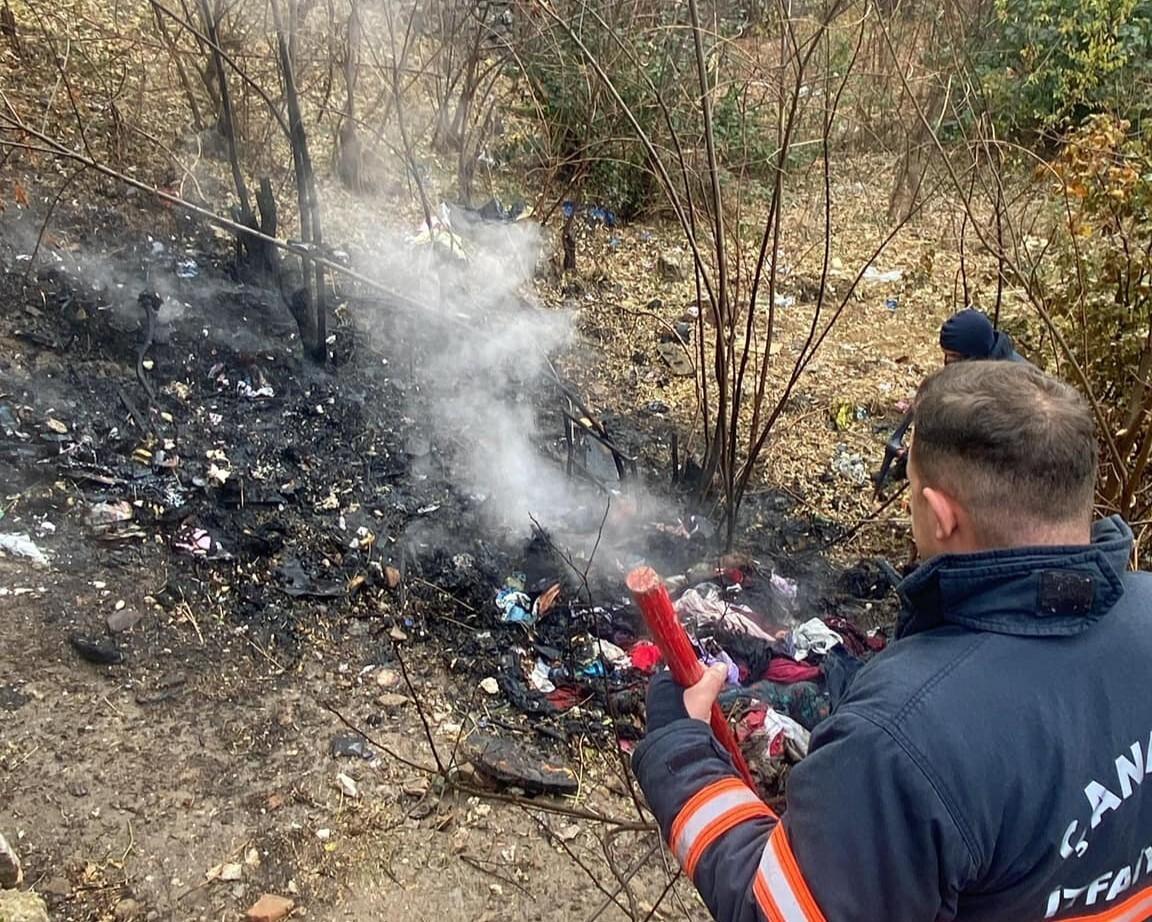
column 890, row 727
column 918, row 761
column 939, row 676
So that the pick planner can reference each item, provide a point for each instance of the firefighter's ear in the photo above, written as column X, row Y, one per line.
column 946, row 512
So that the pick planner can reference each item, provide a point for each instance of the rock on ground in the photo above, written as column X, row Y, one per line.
column 270, row 908
column 22, row 906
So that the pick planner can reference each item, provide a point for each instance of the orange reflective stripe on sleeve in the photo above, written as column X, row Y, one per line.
column 780, row 889
column 1134, row 909
column 710, row 813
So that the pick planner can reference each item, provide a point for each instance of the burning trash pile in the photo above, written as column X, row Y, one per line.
column 388, row 503
column 575, row 668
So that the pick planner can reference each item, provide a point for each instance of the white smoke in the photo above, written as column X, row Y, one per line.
column 484, row 377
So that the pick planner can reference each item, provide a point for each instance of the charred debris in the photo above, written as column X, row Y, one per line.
column 176, row 426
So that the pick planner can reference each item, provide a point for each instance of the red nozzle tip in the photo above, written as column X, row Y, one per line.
column 643, row 580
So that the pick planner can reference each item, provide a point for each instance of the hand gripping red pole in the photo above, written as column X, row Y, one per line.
column 672, row 639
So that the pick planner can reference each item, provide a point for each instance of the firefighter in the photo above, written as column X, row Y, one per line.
column 990, row 765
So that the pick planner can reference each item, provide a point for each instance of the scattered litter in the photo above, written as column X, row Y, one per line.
column 540, row 678
column 645, row 656
column 507, row 763
column 244, row 389
column 56, row 426
column 807, row 703
column 610, row 653
column 102, row 653
column 872, row 274
column 348, row 786
column 545, row 601
column 843, row 415
column 849, row 465
column 814, row 636
column 705, row 606
column 773, row 735
column 490, row 686
column 439, row 234
column 723, row 659
column 593, row 214
column 187, row 269
column 788, row 671
column 231, row 872
column 515, row 606
column 199, row 543
column 350, row 745
column 892, row 303
column 21, row 545
column 785, row 589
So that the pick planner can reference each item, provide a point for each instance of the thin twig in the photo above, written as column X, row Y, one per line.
column 479, row 865
column 471, row 791
column 48, row 217
column 419, row 711
column 632, row 872
column 592, row 876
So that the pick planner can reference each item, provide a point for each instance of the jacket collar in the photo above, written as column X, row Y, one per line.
column 1027, row 591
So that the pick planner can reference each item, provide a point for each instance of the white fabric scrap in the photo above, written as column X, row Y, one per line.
column 813, row 636
column 20, row 545
column 696, row 608
column 538, row 678
column 796, row 738
column 611, row 654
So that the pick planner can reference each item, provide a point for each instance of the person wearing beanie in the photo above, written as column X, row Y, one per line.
column 966, row 336
column 969, row 334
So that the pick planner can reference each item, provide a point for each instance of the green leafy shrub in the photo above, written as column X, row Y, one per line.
column 1046, row 64
column 1095, row 280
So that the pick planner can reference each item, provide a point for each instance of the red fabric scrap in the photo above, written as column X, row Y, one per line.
column 751, row 726
column 786, row 671
column 855, row 640
column 750, row 723
column 564, row 698
column 645, row 655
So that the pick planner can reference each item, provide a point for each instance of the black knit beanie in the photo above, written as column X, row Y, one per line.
column 969, row 333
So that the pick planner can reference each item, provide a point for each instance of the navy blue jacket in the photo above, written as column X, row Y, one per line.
column 989, row 766
column 1004, row 349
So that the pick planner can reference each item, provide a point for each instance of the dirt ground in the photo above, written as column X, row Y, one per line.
column 197, row 774
column 126, row 788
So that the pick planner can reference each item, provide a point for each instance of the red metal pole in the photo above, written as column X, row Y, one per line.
column 670, row 636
